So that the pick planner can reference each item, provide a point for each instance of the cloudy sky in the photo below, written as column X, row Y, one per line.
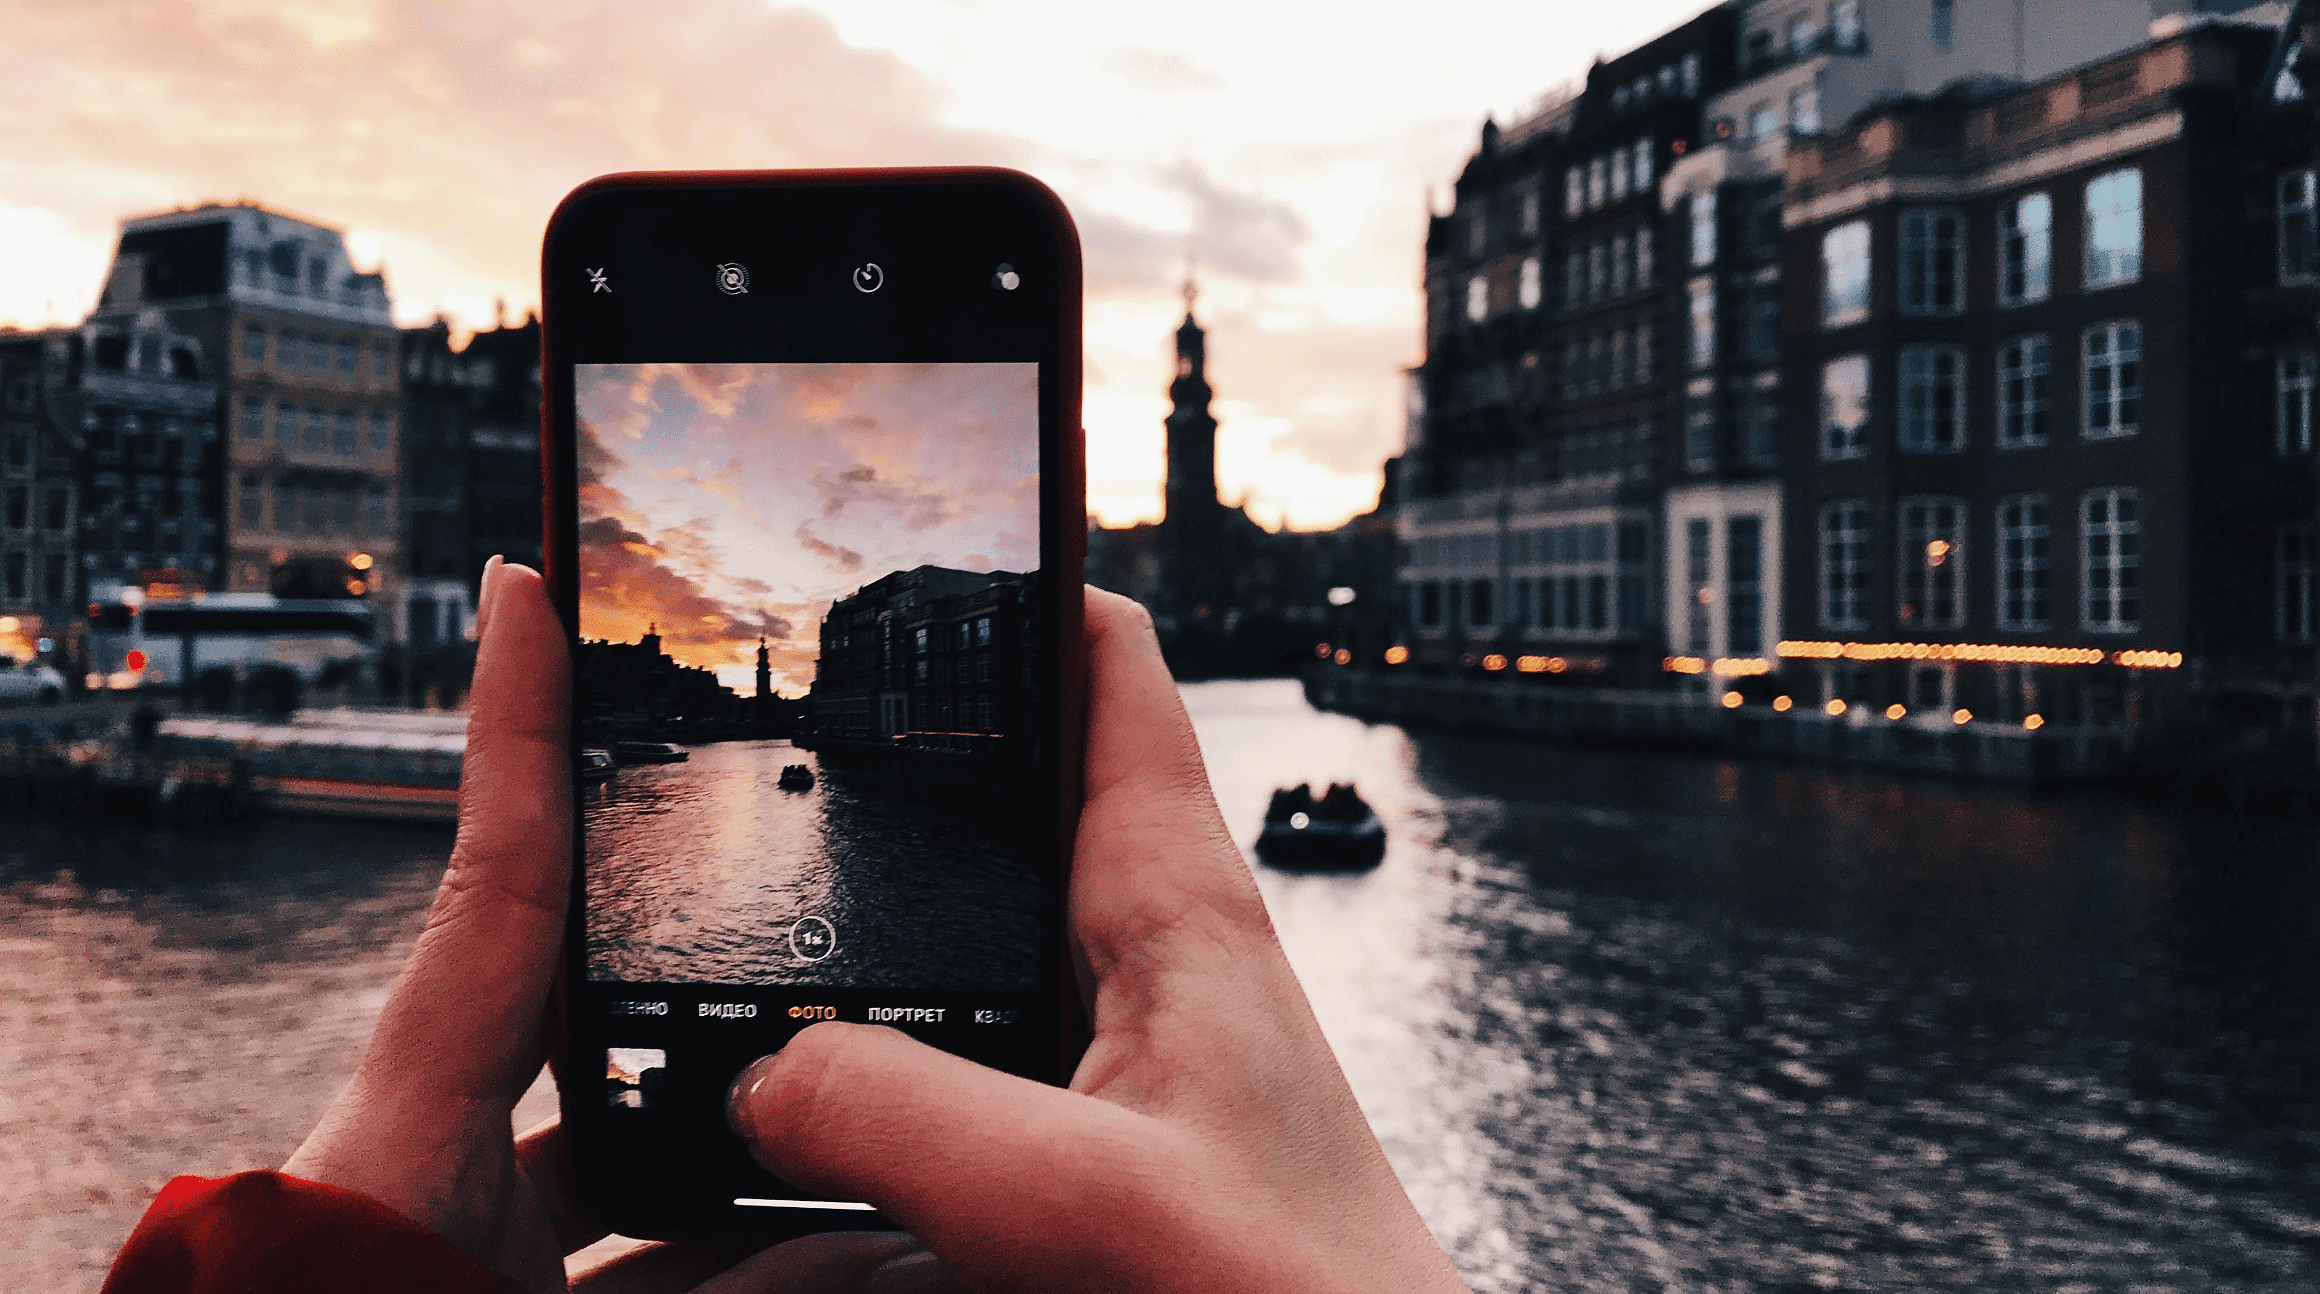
column 727, row 502
column 1291, row 148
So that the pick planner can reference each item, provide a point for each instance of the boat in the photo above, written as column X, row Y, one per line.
column 597, row 766
column 647, row 752
column 1337, row 830
column 342, row 763
column 796, row 777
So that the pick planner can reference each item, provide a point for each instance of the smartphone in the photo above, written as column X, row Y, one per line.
column 816, row 518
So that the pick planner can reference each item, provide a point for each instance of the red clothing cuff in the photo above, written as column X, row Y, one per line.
column 262, row 1232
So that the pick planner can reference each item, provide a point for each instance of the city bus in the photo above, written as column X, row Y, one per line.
column 138, row 641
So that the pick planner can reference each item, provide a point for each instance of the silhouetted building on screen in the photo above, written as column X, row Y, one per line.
column 933, row 661
column 638, row 690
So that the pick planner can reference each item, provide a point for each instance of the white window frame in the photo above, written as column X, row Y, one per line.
column 1932, row 411
column 1644, row 164
column 1841, row 537
column 1703, row 226
column 2121, row 367
column 2026, row 247
column 1700, row 327
column 1933, row 261
column 2297, row 237
column 2025, row 535
column 1574, row 192
column 1530, row 288
column 1477, row 298
column 1596, row 166
column 1929, row 535
column 2025, row 391
column 2114, row 200
column 2292, row 383
column 2118, row 536
column 1837, row 246
column 1643, row 257
column 1839, row 440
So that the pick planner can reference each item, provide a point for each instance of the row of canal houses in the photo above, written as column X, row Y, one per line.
column 1948, row 364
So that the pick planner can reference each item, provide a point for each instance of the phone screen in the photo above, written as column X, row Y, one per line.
column 817, row 559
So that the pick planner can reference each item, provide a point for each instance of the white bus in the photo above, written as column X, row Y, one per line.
column 136, row 641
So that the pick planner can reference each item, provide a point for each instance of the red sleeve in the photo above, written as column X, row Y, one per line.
column 257, row 1233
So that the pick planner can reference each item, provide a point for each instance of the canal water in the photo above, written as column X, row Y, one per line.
column 1624, row 1021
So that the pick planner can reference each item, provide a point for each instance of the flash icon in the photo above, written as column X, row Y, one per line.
column 596, row 282
column 732, row 278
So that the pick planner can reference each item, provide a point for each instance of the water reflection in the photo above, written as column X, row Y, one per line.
column 1637, row 1021
column 697, row 869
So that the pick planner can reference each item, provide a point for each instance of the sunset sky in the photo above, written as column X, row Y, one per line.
column 1292, row 148
column 725, row 502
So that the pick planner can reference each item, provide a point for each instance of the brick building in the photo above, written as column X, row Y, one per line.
column 931, row 659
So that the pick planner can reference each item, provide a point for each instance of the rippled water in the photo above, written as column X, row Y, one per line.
column 1623, row 1021
column 697, row 871
column 1631, row 1021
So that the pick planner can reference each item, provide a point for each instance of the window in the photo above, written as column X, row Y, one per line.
column 2299, row 237
column 1619, row 359
column 1477, row 299
column 1764, row 120
column 1478, row 607
column 342, row 432
column 1598, row 272
column 254, row 420
column 1932, row 399
column 2025, row 249
column 1595, row 363
column 15, row 567
column 52, row 576
column 2025, row 396
column 2114, row 353
column 2022, row 562
column 1804, row 109
column 285, row 509
column 1595, row 182
column 1803, row 31
column 1845, row 24
column 1643, row 362
column 1757, row 50
column 2110, row 557
column 1691, row 75
column 345, row 350
column 1744, row 586
column 254, row 344
column 251, row 502
column 379, row 362
column 1430, row 604
column 1845, row 274
column 2114, row 228
column 1845, row 407
column 1844, row 537
column 1574, row 279
column 317, row 432
column 19, row 507
column 378, row 432
column 1643, row 257
column 289, row 352
column 1762, row 338
column 1529, row 207
column 1704, row 227
column 1573, row 363
column 1574, row 192
column 1941, row 23
column 1700, row 425
column 983, row 633
column 2294, row 593
column 1527, row 289
column 1932, row 263
column 1619, row 173
column 1622, row 264
column 1759, row 427
column 1703, row 323
column 1643, row 164
column 1703, row 592
column 1931, row 562
column 56, row 509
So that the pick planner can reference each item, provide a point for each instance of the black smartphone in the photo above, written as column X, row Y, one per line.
column 816, row 521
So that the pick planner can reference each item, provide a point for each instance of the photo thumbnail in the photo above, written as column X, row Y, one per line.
column 634, row 1076
column 809, row 694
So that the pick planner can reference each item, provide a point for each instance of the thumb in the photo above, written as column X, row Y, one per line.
column 1013, row 1183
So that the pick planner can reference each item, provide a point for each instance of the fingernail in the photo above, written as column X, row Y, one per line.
column 739, row 1097
column 486, row 588
column 912, row 1273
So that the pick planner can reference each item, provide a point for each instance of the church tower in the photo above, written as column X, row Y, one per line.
column 764, row 674
column 1191, row 498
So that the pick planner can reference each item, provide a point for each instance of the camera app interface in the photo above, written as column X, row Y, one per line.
column 808, row 699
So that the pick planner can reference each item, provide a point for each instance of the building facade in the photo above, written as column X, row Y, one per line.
column 40, row 591
column 306, row 362
column 2020, row 474
column 933, row 660
column 1540, row 439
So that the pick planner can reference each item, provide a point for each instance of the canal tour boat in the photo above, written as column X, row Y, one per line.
column 597, row 766
column 647, row 752
column 796, row 777
column 1338, row 830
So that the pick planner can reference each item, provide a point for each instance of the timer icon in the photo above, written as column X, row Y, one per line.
column 868, row 277
column 732, row 278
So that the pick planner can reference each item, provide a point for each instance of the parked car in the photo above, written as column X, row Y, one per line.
column 30, row 681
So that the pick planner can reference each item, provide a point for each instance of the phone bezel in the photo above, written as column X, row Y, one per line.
column 1063, row 546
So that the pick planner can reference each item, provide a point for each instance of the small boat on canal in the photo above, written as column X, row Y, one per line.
column 647, row 752
column 796, row 777
column 1335, row 831
column 597, row 766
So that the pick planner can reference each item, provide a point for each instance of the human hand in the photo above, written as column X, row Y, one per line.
column 424, row 1126
column 1208, row 1141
